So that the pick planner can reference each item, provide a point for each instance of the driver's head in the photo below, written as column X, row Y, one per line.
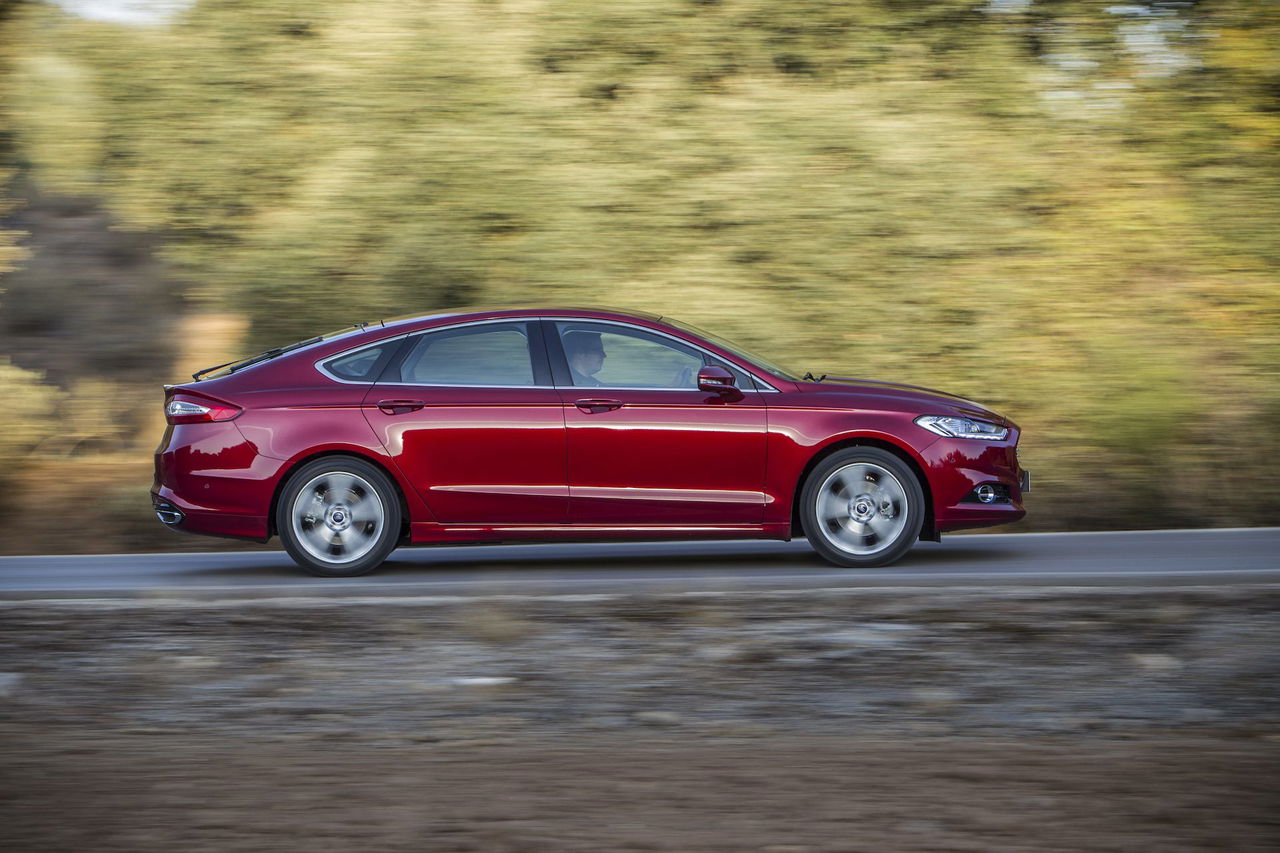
column 585, row 351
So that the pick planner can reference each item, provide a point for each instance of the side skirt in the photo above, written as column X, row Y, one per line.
column 429, row 533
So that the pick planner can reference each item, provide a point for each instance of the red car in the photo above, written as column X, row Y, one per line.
column 499, row 426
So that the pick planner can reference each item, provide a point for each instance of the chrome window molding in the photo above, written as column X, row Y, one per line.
column 767, row 387
column 319, row 365
column 468, row 385
column 445, row 328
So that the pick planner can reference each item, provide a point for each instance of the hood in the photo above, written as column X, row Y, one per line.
column 914, row 395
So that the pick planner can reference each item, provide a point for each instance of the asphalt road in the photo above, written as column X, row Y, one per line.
column 1142, row 558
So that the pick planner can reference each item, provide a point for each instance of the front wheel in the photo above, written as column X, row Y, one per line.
column 862, row 507
column 339, row 517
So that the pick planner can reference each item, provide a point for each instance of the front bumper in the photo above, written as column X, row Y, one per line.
column 957, row 467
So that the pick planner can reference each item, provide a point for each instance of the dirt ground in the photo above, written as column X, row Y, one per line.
column 782, row 794
column 889, row 720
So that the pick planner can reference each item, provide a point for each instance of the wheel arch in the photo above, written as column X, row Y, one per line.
column 297, row 464
column 929, row 531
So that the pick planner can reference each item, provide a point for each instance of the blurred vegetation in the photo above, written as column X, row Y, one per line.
column 1065, row 209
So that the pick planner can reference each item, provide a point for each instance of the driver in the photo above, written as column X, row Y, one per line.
column 585, row 353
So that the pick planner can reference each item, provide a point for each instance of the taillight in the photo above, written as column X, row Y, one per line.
column 188, row 410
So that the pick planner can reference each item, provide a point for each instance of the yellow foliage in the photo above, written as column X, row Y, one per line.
column 26, row 417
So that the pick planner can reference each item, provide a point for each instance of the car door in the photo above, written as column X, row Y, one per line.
column 470, row 417
column 645, row 446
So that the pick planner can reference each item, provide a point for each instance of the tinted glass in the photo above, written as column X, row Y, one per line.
column 358, row 366
column 617, row 357
column 490, row 354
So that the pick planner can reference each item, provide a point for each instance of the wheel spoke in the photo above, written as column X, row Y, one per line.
column 338, row 517
column 354, row 537
column 339, row 485
column 321, row 535
column 859, row 474
column 831, row 507
column 861, row 508
column 881, row 526
column 890, row 489
column 367, row 508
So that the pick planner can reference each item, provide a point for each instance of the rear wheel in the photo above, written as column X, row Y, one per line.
column 862, row 507
column 339, row 517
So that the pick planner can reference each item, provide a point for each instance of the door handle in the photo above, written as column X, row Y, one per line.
column 399, row 407
column 595, row 406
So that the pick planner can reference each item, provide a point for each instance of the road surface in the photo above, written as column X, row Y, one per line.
column 1140, row 558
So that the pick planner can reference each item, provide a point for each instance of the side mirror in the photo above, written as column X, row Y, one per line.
column 716, row 380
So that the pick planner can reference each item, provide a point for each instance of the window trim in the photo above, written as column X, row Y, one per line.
column 538, row 328
column 536, row 342
column 552, row 333
column 394, row 353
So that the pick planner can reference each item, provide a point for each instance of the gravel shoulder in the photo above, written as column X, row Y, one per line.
column 834, row 720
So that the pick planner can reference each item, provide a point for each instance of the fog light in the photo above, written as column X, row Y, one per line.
column 986, row 494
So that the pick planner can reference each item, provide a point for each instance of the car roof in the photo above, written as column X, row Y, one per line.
column 413, row 322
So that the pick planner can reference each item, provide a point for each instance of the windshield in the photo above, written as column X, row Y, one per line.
column 741, row 352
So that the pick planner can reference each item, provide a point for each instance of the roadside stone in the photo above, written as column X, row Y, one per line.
column 470, row 743
column 481, row 681
column 9, row 683
column 1201, row 715
column 751, row 653
column 731, row 729
column 864, row 637
column 1156, row 662
column 193, row 661
column 935, row 697
column 717, row 654
column 888, row 662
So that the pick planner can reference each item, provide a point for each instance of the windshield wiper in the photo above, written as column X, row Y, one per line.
column 200, row 373
column 272, row 353
column 242, row 363
column 809, row 376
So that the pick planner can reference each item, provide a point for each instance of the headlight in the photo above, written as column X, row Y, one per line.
column 954, row 426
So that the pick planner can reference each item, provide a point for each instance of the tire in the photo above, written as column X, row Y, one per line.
column 862, row 507
column 339, row 517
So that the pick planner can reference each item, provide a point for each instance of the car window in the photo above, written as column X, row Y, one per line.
column 488, row 354
column 602, row 355
column 358, row 366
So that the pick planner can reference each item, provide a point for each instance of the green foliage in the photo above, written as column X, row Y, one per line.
column 26, row 418
column 1062, row 210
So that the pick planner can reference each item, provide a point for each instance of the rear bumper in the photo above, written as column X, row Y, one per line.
column 207, row 523
column 210, row 480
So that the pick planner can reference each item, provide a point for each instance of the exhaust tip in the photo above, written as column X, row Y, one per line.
column 167, row 512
